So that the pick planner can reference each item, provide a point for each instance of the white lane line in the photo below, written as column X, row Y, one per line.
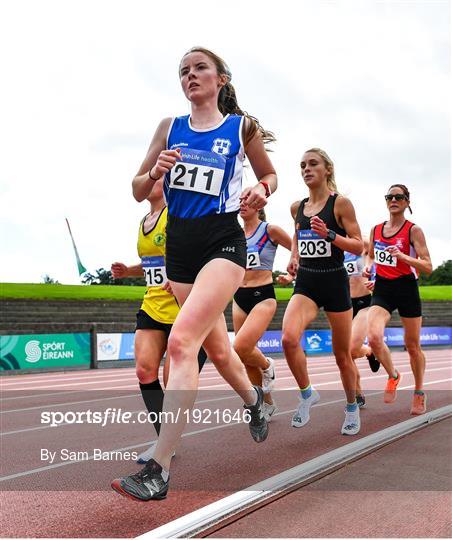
column 201, row 387
column 373, row 377
column 63, row 393
column 189, row 434
column 290, row 376
column 90, row 375
column 64, row 404
column 127, row 373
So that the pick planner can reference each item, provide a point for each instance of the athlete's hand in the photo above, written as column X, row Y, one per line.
column 319, row 226
column 254, row 197
column 285, row 279
column 369, row 285
column 118, row 270
column 395, row 252
column 167, row 288
column 165, row 162
column 292, row 267
column 367, row 272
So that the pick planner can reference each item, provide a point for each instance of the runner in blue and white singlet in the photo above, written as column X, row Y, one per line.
column 201, row 156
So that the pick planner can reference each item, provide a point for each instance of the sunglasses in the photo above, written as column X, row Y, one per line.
column 398, row 197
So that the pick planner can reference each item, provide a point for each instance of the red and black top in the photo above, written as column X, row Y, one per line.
column 387, row 266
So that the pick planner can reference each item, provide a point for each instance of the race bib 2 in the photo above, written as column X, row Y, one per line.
column 252, row 258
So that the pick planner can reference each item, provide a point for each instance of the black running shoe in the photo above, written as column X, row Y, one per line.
column 147, row 484
column 258, row 424
column 373, row 362
column 361, row 401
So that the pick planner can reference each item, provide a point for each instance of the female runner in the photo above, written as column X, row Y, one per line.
column 158, row 310
column 399, row 250
column 326, row 226
column 201, row 156
column 361, row 297
column 255, row 302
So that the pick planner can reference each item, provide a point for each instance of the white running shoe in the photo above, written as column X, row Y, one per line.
column 268, row 410
column 148, row 454
column 268, row 376
column 352, row 423
column 301, row 415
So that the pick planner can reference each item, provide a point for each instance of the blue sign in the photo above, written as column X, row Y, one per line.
column 126, row 348
column 270, row 342
column 317, row 341
column 312, row 341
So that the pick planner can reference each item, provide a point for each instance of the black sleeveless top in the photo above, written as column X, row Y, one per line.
column 315, row 252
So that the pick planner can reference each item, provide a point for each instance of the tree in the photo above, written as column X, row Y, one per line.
column 104, row 277
column 442, row 275
column 49, row 280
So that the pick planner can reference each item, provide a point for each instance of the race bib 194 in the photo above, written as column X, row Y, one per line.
column 252, row 258
column 199, row 171
column 311, row 245
column 382, row 256
column 154, row 271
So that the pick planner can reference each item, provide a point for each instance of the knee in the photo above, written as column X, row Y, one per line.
column 376, row 341
column 179, row 347
column 289, row 341
column 343, row 359
column 413, row 346
column 145, row 372
column 220, row 356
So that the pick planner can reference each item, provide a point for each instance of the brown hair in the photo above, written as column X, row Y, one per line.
column 261, row 215
column 227, row 100
column 330, row 179
column 405, row 192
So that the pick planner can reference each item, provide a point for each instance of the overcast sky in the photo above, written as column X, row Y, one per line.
column 84, row 85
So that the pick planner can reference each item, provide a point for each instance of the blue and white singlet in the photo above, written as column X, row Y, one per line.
column 261, row 250
column 208, row 179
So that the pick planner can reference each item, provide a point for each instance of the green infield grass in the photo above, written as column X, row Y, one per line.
column 41, row 291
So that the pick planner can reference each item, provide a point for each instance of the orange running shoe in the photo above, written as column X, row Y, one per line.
column 419, row 404
column 391, row 388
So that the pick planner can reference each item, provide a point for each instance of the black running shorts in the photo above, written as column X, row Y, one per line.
column 248, row 297
column 192, row 242
column 328, row 288
column 146, row 322
column 360, row 302
column 400, row 293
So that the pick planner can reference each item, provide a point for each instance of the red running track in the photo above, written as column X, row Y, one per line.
column 214, row 459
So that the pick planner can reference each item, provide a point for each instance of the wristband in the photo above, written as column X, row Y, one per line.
column 266, row 185
column 151, row 177
column 331, row 236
